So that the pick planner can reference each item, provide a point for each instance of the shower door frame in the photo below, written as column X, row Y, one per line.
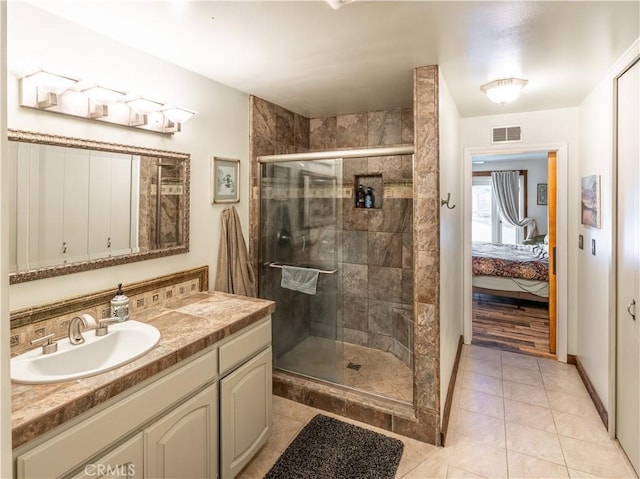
column 318, row 156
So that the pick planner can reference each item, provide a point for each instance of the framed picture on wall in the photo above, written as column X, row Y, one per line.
column 225, row 180
column 590, row 208
column 542, row 194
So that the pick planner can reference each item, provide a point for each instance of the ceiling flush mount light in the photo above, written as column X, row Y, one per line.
column 48, row 91
column 336, row 4
column 504, row 90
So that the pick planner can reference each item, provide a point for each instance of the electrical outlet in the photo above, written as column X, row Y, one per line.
column 580, row 241
column 593, row 247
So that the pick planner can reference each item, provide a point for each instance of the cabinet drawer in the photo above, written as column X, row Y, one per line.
column 244, row 346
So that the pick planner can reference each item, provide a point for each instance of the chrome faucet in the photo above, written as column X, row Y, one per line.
column 86, row 320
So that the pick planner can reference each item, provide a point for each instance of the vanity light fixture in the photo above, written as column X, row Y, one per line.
column 48, row 87
column 48, row 91
column 504, row 90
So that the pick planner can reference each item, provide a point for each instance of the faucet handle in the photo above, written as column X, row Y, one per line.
column 103, row 325
column 49, row 346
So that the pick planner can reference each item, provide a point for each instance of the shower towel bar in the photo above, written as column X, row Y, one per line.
column 322, row 271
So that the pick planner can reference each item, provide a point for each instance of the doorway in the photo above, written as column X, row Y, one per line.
column 510, row 264
column 558, row 263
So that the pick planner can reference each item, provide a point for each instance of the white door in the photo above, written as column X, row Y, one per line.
column 628, row 267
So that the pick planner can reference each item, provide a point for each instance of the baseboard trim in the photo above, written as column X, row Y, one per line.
column 449, row 401
column 597, row 402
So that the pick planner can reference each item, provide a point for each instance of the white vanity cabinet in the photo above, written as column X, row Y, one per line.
column 218, row 401
column 124, row 462
column 181, row 443
column 245, row 413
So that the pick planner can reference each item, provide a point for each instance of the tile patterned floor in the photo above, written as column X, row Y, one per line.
column 380, row 372
column 513, row 416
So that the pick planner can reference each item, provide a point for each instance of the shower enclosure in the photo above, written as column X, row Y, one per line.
column 354, row 326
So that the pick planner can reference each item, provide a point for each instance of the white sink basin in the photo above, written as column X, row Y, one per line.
column 123, row 343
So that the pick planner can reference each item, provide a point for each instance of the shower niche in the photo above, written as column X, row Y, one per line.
column 367, row 181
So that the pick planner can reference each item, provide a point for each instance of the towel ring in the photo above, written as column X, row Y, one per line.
column 446, row 202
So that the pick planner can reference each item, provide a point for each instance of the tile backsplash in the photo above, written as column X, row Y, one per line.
column 32, row 323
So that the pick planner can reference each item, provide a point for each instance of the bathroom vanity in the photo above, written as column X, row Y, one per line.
column 197, row 405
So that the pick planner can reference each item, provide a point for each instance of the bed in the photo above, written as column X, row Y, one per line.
column 513, row 271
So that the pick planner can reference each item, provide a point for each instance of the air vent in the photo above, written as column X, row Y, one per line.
column 504, row 134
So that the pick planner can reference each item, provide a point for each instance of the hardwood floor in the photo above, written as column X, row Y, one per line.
column 499, row 323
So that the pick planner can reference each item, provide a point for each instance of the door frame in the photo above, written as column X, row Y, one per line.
column 561, row 236
column 628, row 62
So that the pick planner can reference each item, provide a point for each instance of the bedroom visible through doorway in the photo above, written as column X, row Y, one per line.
column 510, row 253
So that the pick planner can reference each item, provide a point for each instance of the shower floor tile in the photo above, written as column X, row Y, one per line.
column 380, row 372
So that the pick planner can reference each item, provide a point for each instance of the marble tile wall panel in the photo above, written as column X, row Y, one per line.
column 395, row 217
column 407, row 125
column 355, row 247
column 323, row 133
column 354, row 336
column 356, row 219
column 355, row 311
column 385, row 283
column 380, row 316
column 352, row 130
column 264, row 119
column 301, row 133
column 355, row 280
column 381, row 342
column 390, row 167
column 426, row 252
column 385, row 127
column 385, row 249
column 401, row 320
column 285, row 133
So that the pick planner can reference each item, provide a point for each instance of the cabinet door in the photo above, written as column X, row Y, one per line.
column 124, row 462
column 245, row 413
column 183, row 443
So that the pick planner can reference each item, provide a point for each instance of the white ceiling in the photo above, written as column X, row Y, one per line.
column 319, row 62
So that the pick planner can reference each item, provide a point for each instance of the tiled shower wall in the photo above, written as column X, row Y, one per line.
column 377, row 244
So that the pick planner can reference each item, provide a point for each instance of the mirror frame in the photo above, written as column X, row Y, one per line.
column 77, row 267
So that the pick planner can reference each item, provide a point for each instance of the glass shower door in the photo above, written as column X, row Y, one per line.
column 300, row 226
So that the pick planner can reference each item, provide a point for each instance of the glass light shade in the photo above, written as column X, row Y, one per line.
column 504, row 90
column 178, row 115
column 103, row 95
column 51, row 82
column 143, row 106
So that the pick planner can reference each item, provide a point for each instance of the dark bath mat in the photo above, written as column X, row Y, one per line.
column 327, row 448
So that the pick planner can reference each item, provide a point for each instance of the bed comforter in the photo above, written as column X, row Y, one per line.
column 510, row 261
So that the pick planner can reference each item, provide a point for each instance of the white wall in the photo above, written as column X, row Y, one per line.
column 541, row 128
column 38, row 39
column 594, row 275
column 536, row 173
column 5, row 382
column 450, row 236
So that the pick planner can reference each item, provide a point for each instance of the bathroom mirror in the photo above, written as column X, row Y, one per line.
column 78, row 205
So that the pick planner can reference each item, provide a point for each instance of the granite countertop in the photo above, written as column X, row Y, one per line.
column 186, row 326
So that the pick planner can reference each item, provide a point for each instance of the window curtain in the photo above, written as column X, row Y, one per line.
column 506, row 190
